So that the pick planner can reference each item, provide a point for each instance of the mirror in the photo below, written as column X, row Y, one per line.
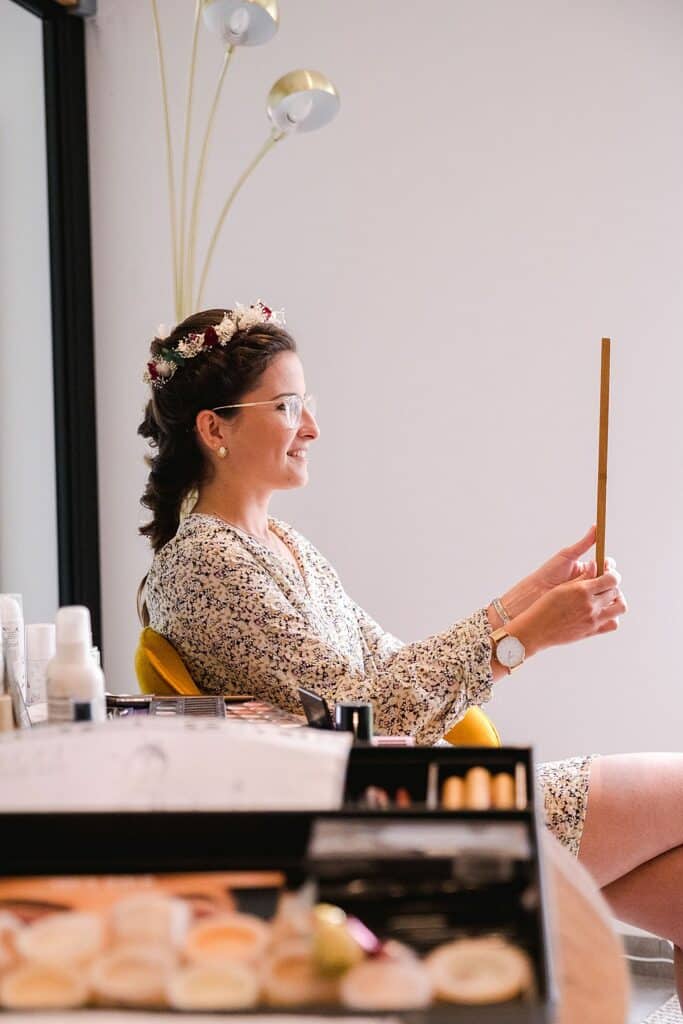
column 49, row 549
column 28, row 484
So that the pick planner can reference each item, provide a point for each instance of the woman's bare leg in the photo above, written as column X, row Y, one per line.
column 632, row 842
column 651, row 897
column 635, row 813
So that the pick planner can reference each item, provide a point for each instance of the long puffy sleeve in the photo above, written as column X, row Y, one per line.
column 453, row 669
column 244, row 622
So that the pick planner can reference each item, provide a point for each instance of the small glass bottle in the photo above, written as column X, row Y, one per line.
column 40, row 648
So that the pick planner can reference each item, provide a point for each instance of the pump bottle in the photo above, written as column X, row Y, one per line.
column 75, row 684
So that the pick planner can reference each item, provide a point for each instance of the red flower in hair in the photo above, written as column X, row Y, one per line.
column 152, row 371
column 266, row 312
column 210, row 338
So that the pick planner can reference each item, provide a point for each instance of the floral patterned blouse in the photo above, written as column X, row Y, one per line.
column 244, row 619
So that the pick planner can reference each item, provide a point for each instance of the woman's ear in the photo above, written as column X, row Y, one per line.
column 211, row 430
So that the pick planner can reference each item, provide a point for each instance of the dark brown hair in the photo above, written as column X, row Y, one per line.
column 217, row 376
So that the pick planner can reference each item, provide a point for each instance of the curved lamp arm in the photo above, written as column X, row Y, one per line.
column 268, row 145
column 186, row 154
column 169, row 162
column 196, row 197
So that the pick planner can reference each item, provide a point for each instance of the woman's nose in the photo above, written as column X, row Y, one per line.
column 309, row 425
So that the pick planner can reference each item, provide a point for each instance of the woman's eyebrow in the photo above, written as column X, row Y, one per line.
column 285, row 394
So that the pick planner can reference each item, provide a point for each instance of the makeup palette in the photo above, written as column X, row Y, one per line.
column 495, row 779
column 431, row 917
column 251, row 709
column 238, row 709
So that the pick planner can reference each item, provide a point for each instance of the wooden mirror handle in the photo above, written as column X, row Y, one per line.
column 602, row 458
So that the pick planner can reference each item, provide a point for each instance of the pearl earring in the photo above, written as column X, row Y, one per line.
column 222, row 452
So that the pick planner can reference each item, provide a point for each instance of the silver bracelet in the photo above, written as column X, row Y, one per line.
column 498, row 605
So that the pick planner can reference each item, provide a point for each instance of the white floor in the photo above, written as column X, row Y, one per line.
column 647, row 994
column 651, row 967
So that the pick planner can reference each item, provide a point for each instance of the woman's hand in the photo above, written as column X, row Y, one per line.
column 566, row 565
column 563, row 567
column 570, row 611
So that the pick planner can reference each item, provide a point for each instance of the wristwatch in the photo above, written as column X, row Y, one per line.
column 509, row 651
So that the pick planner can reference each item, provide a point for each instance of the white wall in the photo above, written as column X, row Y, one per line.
column 502, row 187
column 28, row 504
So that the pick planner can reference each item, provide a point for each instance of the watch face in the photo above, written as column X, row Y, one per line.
column 510, row 651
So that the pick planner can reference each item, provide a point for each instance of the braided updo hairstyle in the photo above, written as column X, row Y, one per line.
column 217, row 376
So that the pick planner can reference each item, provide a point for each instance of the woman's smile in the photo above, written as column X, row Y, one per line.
column 298, row 453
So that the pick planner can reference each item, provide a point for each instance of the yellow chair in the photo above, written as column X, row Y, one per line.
column 160, row 671
column 159, row 667
column 475, row 729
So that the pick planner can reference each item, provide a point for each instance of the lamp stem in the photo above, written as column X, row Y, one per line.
column 196, row 197
column 186, row 154
column 169, row 161
column 270, row 142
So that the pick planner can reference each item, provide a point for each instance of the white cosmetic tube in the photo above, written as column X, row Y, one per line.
column 12, row 619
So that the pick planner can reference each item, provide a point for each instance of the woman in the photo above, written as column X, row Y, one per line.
column 251, row 605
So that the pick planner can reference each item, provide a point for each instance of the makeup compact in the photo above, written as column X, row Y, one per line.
column 316, row 709
column 349, row 716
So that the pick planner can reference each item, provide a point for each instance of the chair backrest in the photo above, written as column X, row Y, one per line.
column 161, row 671
column 159, row 668
column 475, row 729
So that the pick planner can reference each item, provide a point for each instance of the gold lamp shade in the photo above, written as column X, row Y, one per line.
column 242, row 22
column 302, row 101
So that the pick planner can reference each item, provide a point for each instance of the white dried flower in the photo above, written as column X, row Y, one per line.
column 250, row 317
column 165, row 368
column 226, row 328
column 163, row 332
column 190, row 346
column 158, row 371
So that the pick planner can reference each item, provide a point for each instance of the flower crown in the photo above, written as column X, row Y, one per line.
column 161, row 367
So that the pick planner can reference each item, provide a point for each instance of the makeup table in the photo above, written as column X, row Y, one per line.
column 471, row 871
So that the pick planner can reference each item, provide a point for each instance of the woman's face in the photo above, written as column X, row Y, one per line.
column 263, row 449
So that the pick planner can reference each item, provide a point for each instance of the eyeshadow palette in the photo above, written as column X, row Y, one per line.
column 237, row 709
column 251, row 709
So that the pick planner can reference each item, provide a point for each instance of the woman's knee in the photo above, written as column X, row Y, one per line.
column 651, row 896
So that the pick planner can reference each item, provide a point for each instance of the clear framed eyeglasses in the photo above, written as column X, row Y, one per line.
column 291, row 406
